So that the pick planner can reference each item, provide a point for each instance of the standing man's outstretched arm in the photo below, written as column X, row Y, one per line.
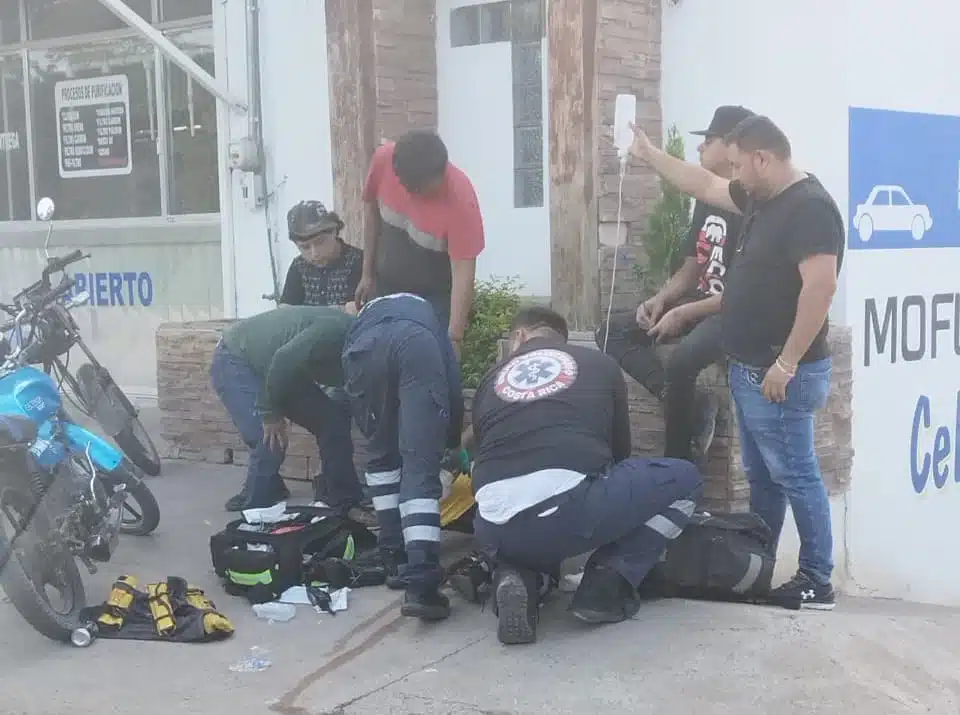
column 689, row 178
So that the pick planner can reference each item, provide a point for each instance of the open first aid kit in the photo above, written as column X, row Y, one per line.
column 261, row 558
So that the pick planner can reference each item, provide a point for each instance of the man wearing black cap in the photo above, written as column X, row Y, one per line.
column 327, row 270
column 686, row 307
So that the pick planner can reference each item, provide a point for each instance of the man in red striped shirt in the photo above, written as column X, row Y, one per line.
column 424, row 230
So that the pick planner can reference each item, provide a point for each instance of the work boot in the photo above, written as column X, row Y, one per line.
column 516, row 605
column 706, row 406
column 471, row 577
column 238, row 502
column 427, row 605
column 384, row 561
column 604, row 596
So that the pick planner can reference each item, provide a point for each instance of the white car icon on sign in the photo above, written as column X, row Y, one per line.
column 888, row 208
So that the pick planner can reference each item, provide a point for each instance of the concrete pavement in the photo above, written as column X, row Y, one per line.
column 676, row 656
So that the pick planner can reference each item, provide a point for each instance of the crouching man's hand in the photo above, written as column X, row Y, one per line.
column 275, row 434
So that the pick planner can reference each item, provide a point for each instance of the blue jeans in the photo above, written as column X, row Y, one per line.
column 238, row 386
column 777, row 451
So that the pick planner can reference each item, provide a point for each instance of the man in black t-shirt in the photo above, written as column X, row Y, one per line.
column 553, row 478
column 774, row 325
column 687, row 306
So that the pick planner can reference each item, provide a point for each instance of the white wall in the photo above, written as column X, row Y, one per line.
column 805, row 63
column 296, row 125
column 476, row 122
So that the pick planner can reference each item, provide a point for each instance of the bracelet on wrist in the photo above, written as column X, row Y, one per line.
column 786, row 368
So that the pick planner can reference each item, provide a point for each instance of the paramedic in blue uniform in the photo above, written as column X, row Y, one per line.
column 403, row 381
column 553, row 478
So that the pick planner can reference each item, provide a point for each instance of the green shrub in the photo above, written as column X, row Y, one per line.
column 669, row 222
column 495, row 302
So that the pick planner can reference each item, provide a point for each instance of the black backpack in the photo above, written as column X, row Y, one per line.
column 261, row 562
column 720, row 557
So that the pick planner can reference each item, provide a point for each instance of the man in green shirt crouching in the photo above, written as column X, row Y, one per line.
column 274, row 366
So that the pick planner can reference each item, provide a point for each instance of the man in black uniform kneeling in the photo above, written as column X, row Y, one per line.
column 553, row 478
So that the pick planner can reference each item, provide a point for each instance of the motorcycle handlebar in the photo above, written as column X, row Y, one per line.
column 59, row 263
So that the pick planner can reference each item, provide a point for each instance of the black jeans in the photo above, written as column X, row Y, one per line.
column 674, row 383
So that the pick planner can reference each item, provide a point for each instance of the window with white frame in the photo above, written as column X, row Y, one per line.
column 92, row 115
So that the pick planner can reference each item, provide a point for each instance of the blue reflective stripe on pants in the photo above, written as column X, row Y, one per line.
column 777, row 450
column 628, row 515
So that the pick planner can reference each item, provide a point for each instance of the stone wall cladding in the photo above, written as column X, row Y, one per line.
column 196, row 427
column 405, row 45
column 629, row 60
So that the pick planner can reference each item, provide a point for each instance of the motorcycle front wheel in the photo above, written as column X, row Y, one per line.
column 44, row 586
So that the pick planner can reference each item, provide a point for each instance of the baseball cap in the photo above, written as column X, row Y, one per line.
column 724, row 120
column 308, row 218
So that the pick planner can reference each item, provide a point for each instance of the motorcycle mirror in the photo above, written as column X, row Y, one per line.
column 45, row 208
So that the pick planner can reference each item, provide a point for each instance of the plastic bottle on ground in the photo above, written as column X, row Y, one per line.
column 275, row 611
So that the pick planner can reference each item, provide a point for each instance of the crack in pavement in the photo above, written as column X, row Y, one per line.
column 340, row 708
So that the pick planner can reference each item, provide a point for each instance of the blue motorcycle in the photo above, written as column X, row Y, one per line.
column 66, row 494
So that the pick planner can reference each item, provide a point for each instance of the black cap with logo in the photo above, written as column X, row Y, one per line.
column 724, row 120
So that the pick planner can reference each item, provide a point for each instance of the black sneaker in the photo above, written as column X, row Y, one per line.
column 385, row 561
column 238, row 502
column 471, row 577
column 706, row 407
column 604, row 596
column 801, row 592
column 427, row 606
column 516, row 605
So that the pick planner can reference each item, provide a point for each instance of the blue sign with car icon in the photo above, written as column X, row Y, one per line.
column 904, row 180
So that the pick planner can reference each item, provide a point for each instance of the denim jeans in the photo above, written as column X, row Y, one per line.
column 676, row 382
column 777, row 450
column 238, row 386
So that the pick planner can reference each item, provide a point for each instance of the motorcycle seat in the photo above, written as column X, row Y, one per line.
column 16, row 430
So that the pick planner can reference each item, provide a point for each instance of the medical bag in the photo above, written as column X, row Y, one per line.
column 261, row 561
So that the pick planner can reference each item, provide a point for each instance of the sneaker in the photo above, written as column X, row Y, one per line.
column 604, row 596
column 471, row 577
column 386, row 562
column 516, row 605
column 427, row 606
column 801, row 592
column 706, row 407
column 238, row 502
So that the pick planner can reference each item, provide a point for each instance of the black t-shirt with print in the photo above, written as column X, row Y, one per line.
column 550, row 405
column 760, row 300
column 712, row 240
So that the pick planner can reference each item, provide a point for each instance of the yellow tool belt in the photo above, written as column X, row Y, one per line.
column 168, row 610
